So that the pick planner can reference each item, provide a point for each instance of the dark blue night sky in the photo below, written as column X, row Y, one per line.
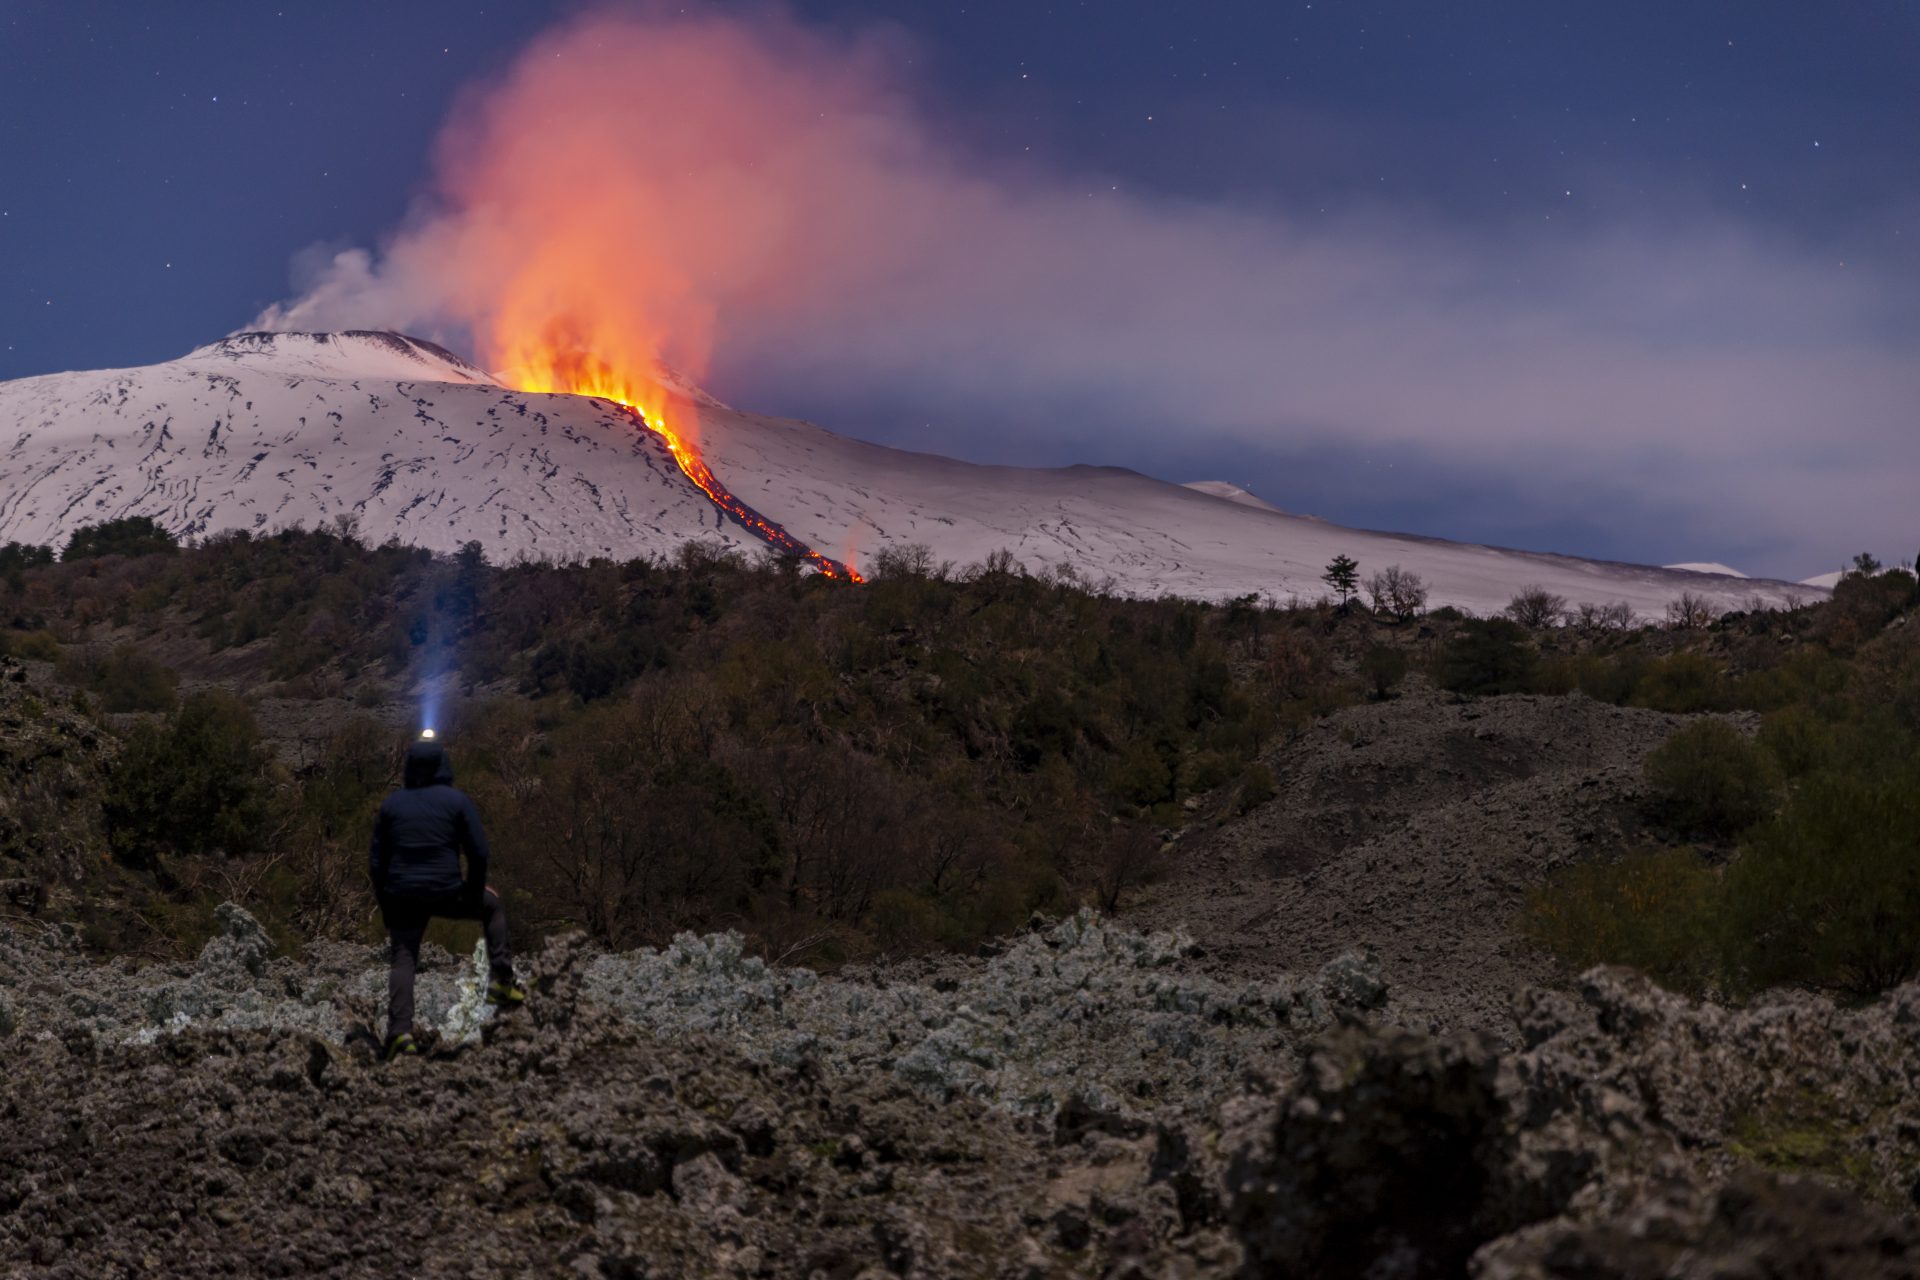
column 160, row 166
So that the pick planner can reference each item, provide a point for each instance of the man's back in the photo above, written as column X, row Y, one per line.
column 423, row 830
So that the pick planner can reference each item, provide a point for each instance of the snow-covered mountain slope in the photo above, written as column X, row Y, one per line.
column 264, row 431
column 848, row 498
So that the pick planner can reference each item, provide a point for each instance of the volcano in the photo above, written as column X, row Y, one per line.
column 409, row 441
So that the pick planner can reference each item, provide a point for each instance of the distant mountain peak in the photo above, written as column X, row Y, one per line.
column 346, row 353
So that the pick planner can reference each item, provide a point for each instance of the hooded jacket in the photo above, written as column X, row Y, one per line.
column 424, row 829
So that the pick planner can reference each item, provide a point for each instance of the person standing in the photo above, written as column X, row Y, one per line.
column 420, row 837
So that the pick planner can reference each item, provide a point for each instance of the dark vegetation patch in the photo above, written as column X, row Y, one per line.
column 1790, row 854
column 658, row 746
column 922, row 762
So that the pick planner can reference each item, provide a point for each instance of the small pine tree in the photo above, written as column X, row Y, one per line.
column 1343, row 575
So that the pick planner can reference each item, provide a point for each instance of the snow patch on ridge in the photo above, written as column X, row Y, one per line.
column 1707, row 566
column 1231, row 492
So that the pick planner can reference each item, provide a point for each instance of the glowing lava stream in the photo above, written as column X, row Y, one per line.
column 584, row 375
column 694, row 467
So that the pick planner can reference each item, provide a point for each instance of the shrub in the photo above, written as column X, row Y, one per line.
column 1828, row 893
column 1682, row 683
column 1130, row 856
column 1383, row 666
column 1141, row 777
column 1256, row 787
column 130, row 536
column 1652, row 909
column 37, row 646
column 128, row 679
column 197, row 784
column 1488, row 656
column 1798, row 740
column 1709, row 782
column 1865, row 603
column 1611, row 679
column 904, row 921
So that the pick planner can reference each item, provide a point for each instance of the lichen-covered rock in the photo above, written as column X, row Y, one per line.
column 240, row 946
column 1635, row 1133
column 1083, row 1007
column 1083, row 1103
column 1353, row 980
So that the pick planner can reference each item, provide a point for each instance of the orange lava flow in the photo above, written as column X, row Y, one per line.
column 568, row 370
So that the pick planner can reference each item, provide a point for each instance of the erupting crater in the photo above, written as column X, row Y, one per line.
column 571, row 371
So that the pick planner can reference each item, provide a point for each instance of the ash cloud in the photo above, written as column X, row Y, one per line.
column 773, row 204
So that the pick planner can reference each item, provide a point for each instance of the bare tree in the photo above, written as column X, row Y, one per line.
column 1536, row 607
column 1690, row 612
column 902, row 560
column 1617, row 616
column 1129, row 856
column 1397, row 592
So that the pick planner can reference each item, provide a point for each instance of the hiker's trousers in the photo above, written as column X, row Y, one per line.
column 406, row 920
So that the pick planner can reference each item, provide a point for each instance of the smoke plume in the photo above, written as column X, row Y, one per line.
column 775, row 196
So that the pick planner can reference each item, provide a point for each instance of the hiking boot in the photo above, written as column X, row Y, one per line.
column 400, row 1044
column 507, row 995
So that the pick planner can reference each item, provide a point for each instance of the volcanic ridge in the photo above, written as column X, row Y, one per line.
column 408, row 441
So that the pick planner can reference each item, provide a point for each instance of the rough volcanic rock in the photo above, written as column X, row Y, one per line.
column 1635, row 1134
column 1414, row 828
column 694, row 1112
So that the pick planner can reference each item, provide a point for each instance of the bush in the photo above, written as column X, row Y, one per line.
column 1652, row 909
column 1611, row 679
column 1488, row 656
column 1256, row 787
column 1709, row 782
column 131, row 536
column 198, row 784
column 1798, row 740
column 1684, row 684
column 127, row 679
column 1383, row 667
column 38, row 646
column 1828, row 893
column 1141, row 777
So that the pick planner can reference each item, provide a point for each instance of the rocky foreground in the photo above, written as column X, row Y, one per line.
column 1084, row 1103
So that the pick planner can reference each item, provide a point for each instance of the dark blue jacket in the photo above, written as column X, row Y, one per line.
column 423, row 830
